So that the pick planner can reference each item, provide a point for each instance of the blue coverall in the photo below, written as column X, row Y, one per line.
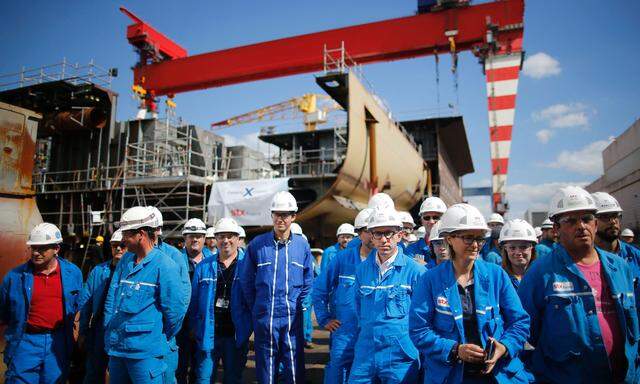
column 185, row 360
column 334, row 298
column 383, row 351
column 276, row 277
column 564, row 324
column 436, row 322
column 143, row 311
column 328, row 254
column 423, row 249
column 202, row 323
column 544, row 248
column 92, row 302
column 37, row 358
column 180, row 258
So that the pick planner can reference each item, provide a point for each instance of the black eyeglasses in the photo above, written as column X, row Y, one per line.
column 282, row 215
column 436, row 243
column 427, row 218
column 572, row 220
column 468, row 240
column 387, row 234
column 609, row 216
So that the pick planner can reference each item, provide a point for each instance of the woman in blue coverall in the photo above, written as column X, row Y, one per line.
column 518, row 240
column 465, row 304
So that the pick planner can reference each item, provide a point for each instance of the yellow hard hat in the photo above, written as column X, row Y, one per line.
column 99, row 239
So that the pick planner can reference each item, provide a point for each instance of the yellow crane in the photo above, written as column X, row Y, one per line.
column 313, row 107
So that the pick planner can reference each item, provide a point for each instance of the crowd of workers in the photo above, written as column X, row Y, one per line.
column 461, row 300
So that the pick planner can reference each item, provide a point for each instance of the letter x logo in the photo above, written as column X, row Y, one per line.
column 248, row 192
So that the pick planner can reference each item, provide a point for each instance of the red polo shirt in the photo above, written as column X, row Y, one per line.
column 46, row 300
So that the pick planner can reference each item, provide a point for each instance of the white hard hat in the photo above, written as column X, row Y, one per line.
column 547, row 224
column 432, row 204
column 434, row 234
column 538, row 231
column 421, row 231
column 627, row 233
column 138, row 217
column 296, row 229
column 412, row 238
column 158, row 214
column 43, row 234
column 407, row 218
column 211, row 232
column 571, row 199
column 495, row 218
column 362, row 218
column 384, row 218
column 460, row 217
column 381, row 201
column 242, row 233
column 116, row 237
column 227, row 225
column 345, row 229
column 517, row 229
column 194, row 226
column 284, row 201
column 606, row 203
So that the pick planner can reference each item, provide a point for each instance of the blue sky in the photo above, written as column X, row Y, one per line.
column 581, row 87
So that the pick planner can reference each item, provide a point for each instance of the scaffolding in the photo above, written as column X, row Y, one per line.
column 165, row 167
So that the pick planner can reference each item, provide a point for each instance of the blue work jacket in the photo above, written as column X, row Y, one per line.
column 544, row 248
column 421, row 247
column 382, row 304
column 334, row 291
column 15, row 300
column 328, row 254
column 436, row 321
column 92, row 300
column 144, row 307
column 287, row 264
column 203, row 297
column 564, row 324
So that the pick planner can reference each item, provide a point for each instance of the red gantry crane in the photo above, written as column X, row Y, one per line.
column 491, row 31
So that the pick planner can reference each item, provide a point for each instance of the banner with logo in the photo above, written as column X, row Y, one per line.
column 246, row 201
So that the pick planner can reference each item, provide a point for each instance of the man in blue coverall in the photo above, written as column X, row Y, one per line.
column 91, row 333
column 384, row 285
column 144, row 307
column 431, row 210
column 344, row 234
column 276, row 277
column 336, row 286
column 584, row 320
column 546, row 244
column 608, row 233
column 180, row 259
column 38, row 304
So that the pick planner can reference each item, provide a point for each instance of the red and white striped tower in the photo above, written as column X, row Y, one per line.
column 502, row 72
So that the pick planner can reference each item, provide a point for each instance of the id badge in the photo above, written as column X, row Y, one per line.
column 222, row 303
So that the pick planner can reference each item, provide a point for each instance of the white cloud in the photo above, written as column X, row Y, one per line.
column 522, row 197
column 544, row 135
column 541, row 65
column 586, row 160
column 563, row 115
column 483, row 203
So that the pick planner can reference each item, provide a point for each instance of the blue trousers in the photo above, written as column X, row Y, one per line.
column 340, row 356
column 137, row 371
column 97, row 360
column 171, row 359
column 307, row 324
column 385, row 360
column 279, row 340
column 186, row 372
column 234, row 360
column 39, row 359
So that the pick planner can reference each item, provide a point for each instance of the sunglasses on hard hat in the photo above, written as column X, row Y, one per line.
column 380, row 234
column 468, row 239
column 573, row 220
column 428, row 218
column 608, row 216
